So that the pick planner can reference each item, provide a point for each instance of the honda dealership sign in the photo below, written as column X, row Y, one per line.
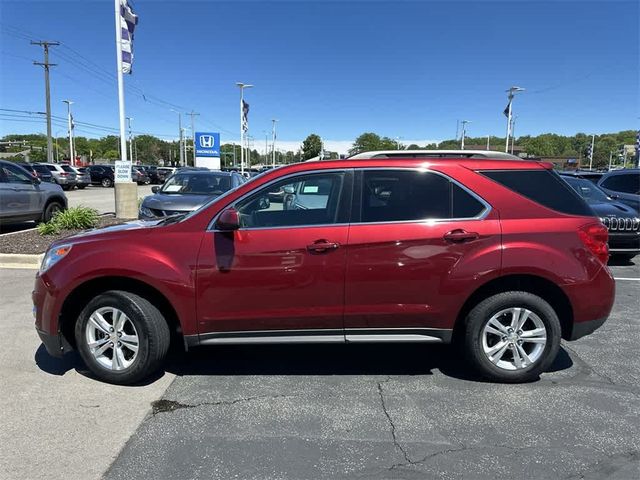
column 207, row 146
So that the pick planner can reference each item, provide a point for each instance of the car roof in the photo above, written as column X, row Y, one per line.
column 622, row 171
column 218, row 173
column 435, row 154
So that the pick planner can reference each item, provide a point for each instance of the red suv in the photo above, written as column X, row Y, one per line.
column 500, row 256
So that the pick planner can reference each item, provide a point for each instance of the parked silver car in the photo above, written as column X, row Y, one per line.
column 24, row 197
column 83, row 177
column 187, row 190
column 67, row 180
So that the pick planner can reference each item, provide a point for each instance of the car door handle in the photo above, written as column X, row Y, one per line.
column 322, row 246
column 460, row 236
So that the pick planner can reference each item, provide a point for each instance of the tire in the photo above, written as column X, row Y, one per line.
column 49, row 210
column 143, row 322
column 81, row 187
column 503, row 365
column 65, row 187
column 106, row 182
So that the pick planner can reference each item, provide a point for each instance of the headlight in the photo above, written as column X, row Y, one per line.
column 145, row 212
column 53, row 256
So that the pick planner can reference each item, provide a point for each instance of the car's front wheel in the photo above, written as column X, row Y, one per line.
column 106, row 182
column 50, row 210
column 121, row 337
column 512, row 337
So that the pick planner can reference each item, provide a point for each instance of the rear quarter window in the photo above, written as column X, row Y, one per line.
column 544, row 187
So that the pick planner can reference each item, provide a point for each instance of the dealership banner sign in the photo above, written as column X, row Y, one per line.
column 207, row 145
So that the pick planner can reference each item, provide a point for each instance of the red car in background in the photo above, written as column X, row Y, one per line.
column 498, row 255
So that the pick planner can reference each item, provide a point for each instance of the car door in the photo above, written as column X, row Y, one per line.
column 283, row 269
column 417, row 240
column 23, row 196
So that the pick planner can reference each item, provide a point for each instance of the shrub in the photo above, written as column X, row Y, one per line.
column 76, row 218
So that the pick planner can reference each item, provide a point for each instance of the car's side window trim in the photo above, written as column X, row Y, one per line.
column 347, row 189
column 356, row 212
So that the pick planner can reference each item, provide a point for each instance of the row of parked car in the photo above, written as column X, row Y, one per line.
column 69, row 177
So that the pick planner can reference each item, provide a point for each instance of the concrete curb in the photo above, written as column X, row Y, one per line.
column 19, row 260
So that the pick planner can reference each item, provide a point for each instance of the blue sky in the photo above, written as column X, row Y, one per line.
column 407, row 69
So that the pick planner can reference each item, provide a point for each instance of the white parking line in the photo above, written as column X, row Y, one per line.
column 631, row 279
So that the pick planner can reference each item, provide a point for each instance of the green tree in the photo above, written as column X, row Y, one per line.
column 311, row 146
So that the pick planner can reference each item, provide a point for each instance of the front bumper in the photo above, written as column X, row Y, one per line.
column 52, row 343
column 582, row 329
column 627, row 243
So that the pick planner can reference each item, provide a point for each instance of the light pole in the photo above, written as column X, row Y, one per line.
column 464, row 132
column 593, row 140
column 398, row 142
column 513, row 132
column 273, row 141
column 71, row 152
column 244, row 126
column 512, row 91
column 179, row 136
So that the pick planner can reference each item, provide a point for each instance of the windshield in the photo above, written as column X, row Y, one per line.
column 197, row 184
column 587, row 190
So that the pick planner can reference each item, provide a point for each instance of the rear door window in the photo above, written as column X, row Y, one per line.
column 544, row 187
column 406, row 195
column 627, row 183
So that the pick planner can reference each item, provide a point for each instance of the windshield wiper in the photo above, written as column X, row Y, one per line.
column 172, row 218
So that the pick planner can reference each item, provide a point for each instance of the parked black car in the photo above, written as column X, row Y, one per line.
column 152, row 173
column 622, row 221
column 39, row 171
column 586, row 174
column 101, row 175
column 623, row 185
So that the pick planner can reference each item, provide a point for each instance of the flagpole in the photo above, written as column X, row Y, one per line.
column 123, row 141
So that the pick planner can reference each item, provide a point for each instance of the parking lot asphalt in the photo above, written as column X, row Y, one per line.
column 100, row 198
column 323, row 411
column 55, row 422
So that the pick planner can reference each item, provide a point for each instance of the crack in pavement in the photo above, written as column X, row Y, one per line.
column 584, row 370
column 163, row 405
column 606, row 467
column 398, row 445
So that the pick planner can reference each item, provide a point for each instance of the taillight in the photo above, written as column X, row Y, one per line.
column 63, row 174
column 595, row 237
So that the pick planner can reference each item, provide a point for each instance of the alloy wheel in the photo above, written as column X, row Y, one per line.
column 514, row 338
column 112, row 338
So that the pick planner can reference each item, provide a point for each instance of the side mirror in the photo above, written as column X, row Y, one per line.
column 289, row 189
column 614, row 196
column 155, row 189
column 228, row 220
column 35, row 180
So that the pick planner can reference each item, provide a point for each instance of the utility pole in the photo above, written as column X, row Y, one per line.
column 130, row 138
column 71, row 152
column 273, row 141
column 512, row 91
column 193, row 135
column 45, row 45
column 464, row 133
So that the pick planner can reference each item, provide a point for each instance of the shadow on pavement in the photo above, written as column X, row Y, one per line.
column 378, row 359
column 373, row 359
column 616, row 261
column 16, row 227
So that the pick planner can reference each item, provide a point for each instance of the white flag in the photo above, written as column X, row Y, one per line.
column 128, row 22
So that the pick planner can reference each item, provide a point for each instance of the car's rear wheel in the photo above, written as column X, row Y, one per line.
column 81, row 187
column 121, row 337
column 50, row 210
column 106, row 182
column 512, row 337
